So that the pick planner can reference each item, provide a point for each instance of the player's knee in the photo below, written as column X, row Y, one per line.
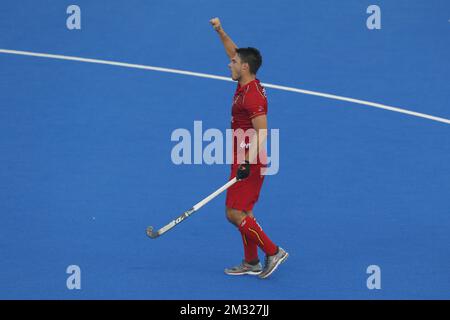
column 234, row 216
column 228, row 215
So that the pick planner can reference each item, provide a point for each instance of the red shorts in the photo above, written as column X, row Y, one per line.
column 244, row 194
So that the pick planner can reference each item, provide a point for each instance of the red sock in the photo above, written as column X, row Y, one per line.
column 250, row 249
column 251, row 229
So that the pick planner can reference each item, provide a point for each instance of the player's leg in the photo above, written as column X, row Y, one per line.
column 250, row 246
column 252, row 232
column 240, row 199
column 249, row 227
column 235, row 216
column 275, row 255
column 250, row 214
column 250, row 264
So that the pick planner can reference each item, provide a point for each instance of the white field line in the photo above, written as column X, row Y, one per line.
column 210, row 76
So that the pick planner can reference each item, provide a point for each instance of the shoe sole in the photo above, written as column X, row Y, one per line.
column 283, row 259
column 251, row 273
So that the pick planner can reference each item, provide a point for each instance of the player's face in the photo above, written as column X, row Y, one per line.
column 235, row 66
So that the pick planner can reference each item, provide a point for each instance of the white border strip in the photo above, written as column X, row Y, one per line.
column 210, row 76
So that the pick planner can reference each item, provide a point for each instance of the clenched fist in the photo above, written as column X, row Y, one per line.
column 215, row 22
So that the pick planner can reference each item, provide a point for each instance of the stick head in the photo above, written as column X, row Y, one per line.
column 152, row 234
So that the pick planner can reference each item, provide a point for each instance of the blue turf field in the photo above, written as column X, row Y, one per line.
column 85, row 148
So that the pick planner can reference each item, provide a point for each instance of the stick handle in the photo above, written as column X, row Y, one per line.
column 214, row 194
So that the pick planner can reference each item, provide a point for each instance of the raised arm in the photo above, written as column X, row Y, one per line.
column 230, row 46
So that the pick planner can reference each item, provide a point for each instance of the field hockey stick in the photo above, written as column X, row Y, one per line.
column 155, row 234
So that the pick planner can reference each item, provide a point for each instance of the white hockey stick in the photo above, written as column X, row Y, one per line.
column 155, row 234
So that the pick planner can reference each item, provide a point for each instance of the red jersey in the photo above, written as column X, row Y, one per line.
column 249, row 102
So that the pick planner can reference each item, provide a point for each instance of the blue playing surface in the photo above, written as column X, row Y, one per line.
column 85, row 149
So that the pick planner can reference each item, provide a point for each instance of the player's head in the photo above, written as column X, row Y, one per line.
column 245, row 62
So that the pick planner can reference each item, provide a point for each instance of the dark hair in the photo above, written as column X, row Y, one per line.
column 250, row 56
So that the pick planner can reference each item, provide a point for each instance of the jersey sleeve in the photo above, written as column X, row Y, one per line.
column 255, row 105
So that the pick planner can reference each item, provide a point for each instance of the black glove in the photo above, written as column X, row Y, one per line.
column 243, row 170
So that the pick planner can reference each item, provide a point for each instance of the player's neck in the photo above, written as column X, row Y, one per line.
column 246, row 79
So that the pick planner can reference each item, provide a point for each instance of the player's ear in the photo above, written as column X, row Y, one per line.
column 246, row 66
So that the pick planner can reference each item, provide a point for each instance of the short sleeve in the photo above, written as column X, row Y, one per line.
column 255, row 105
